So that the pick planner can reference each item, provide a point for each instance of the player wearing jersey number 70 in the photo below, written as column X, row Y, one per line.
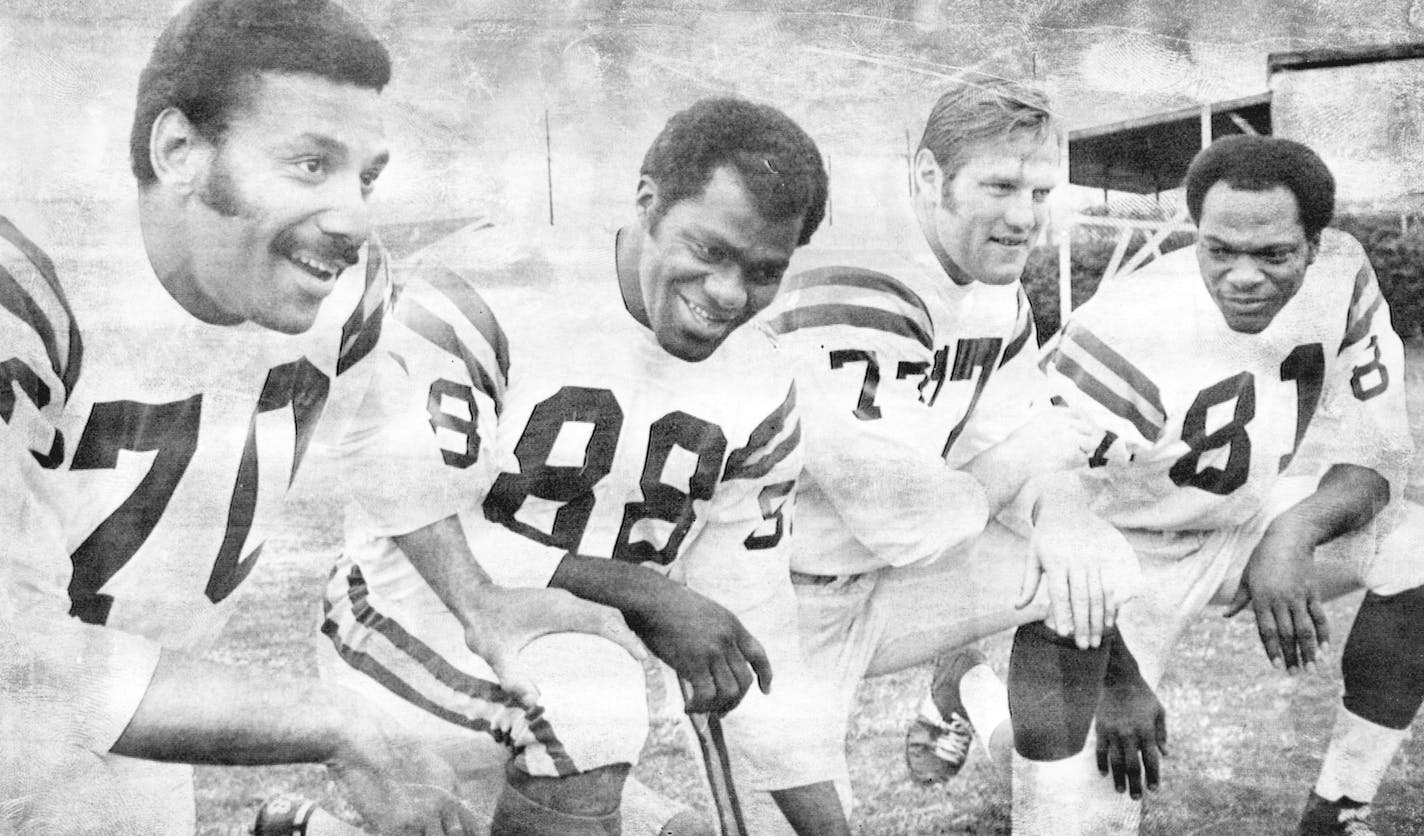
column 157, row 421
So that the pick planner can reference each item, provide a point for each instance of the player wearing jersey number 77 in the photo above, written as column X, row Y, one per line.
column 162, row 416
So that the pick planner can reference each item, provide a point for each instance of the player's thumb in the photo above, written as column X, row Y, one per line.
column 513, row 680
column 1028, row 583
column 1238, row 601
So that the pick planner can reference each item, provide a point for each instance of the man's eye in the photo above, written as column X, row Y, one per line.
column 368, row 179
column 312, row 165
column 1041, row 195
column 1276, row 257
column 1000, row 188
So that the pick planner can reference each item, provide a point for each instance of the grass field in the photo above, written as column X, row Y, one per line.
column 1246, row 741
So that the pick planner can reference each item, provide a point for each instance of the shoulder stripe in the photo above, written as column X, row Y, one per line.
column 1023, row 329
column 860, row 278
column 442, row 335
column 1108, row 378
column 474, row 307
column 363, row 328
column 820, row 316
column 380, row 647
column 30, row 289
column 767, row 445
column 1365, row 301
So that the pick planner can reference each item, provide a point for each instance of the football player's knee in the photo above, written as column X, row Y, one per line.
column 583, row 804
column 1383, row 662
column 1053, row 692
column 593, row 696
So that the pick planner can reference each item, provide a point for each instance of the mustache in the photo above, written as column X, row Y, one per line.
column 339, row 249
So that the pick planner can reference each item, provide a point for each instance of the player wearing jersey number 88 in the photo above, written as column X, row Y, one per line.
column 1244, row 460
column 647, row 445
column 167, row 413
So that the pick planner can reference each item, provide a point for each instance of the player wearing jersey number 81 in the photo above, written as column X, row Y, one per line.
column 1244, row 455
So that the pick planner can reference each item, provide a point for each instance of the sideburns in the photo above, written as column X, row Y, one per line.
column 219, row 193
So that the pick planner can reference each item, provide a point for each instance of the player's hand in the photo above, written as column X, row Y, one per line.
column 1056, row 439
column 506, row 620
column 706, row 644
column 1277, row 585
column 398, row 786
column 1132, row 734
column 1090, row 571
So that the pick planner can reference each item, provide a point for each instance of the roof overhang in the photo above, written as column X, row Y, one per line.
column 1151, row 153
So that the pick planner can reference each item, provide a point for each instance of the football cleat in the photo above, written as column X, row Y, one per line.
column 1335, row 818
column 937, row 744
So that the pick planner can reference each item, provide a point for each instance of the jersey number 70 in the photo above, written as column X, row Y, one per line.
column 170, row 431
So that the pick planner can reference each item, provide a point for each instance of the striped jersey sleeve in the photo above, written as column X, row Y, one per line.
column 1363, row 419
column 1086, row 371
column 42, row 352
column 419, row 448
column 44, row 653
column 854, row 298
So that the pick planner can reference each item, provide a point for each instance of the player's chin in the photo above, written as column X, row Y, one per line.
column 295, row 317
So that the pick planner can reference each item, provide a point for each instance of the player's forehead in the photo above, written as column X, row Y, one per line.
column 726, row 215
column 1018, row 156
column 1250, row 217
column 285, row 112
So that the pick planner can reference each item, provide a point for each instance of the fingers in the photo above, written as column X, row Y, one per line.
column 728, row 694
column 1028, row 583
column 1304, row 633
column 1321, row 623
column 1103, row 766
column 1096, row 606
column 512, row 678
column 1161, row 729
column 458, row 820
column 1266, row 629
column 699, row 692
column 755, row 655
column 1285, row 633
column 1238, row 601
column 1062, row 609
column 1078, row 594
column 1150, row 766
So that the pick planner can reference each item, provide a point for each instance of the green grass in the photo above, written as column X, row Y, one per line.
column 1246, row 741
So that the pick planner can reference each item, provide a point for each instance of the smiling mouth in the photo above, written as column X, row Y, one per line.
column 319, row 268
column 706, row 317
column 1007, row 241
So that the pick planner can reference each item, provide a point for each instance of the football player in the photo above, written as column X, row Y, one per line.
column 924, row 414
column 1250, row 392
column 157, row 416
column 648, row 446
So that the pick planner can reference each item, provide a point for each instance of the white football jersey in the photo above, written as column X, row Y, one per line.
column 165, row 445
column 614, row 448
column 904, row 375
column 453, row 361
column 1199, row 420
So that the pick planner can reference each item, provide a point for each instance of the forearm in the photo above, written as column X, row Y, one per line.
column 1003, row 470
column 624, row 586
column 203, row 712
column 1348, row 497
column 442, row 556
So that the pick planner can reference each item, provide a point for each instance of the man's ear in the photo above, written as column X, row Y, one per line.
column 1312, row 249
column 646, row 200
column 178, row 153
column 929, row 179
